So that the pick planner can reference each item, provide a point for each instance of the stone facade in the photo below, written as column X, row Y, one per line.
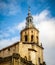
column 26, row 52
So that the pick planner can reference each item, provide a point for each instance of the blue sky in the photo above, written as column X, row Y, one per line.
column 13, row 12
column 12, row 19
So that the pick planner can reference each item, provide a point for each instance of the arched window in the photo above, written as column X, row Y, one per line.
column 25, row 58
column 31, row 31
column 8, row 49
column 37, row 39
column 31, row 37
column 39, row 60
column 26, row 38
column 30, row 20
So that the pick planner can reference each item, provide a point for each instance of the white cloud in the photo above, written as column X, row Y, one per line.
column 47, row 33
column 9, row 8
column 7, row 42
column 4, row 35
column 46, row 26
column 12, row 30
column 21, row 25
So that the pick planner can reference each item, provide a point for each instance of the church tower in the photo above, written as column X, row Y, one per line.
column 30, row 34
column 30, row 39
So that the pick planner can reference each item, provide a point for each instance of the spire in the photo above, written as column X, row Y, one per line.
column 29, row 13
column 29, row 19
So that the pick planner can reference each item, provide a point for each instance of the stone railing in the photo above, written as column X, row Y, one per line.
column 9, row 58
column 23, row 60
column 43, row 63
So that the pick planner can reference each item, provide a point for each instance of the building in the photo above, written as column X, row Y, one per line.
column 28, row 51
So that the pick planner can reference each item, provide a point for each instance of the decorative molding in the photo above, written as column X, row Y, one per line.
column 33, row 44
column 29, row 28
column 5, row 59
column 32, row 50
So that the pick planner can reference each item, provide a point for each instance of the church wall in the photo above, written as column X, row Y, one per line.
column 17, row 48
column 23, row 49
column 39, row 53
column 6, row 53
column 32, row 56
column 1, row 53
column 9, row 51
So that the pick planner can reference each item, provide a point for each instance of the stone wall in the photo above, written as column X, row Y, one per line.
column 8, row 51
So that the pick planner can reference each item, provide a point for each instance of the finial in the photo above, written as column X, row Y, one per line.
column 41, row 44
column 29, row 9
column 29, row 13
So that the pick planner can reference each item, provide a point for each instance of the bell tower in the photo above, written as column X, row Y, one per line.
column 30, row 34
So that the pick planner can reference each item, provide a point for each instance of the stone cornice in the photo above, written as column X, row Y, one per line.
column 32, row 49
column 33, row 44
column 29, row 28
column 5, row 59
